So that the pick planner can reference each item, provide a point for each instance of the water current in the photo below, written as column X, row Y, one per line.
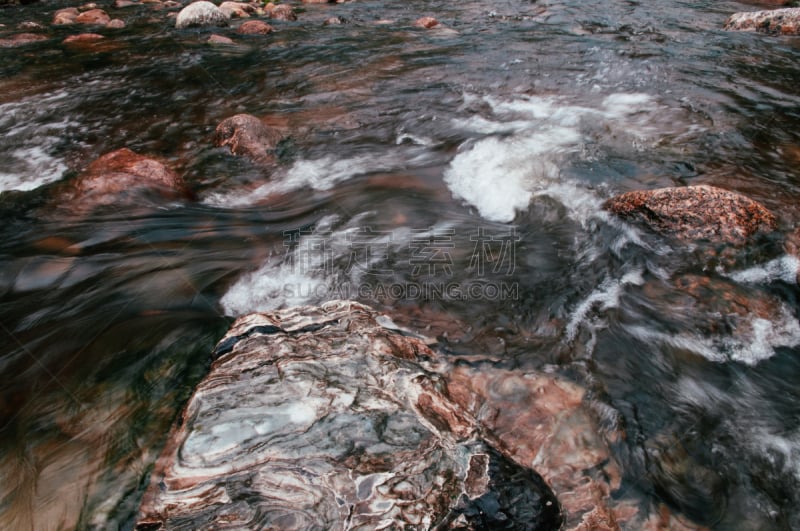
column 453, row 177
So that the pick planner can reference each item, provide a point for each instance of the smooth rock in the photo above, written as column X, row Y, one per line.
column 116, row 24
column 281, row 12
column 65, row 16
column 123, row 174
column 695, row 213
column 21, row 39
column 237, row 9
column 322, row 418
column 426, row 22
column 93, row 16
column 775, row 21
column 254, row 27
column 246, row 135
column 201, row 13
column 119, row 4
column 83, row 38
column 219, row 39
column 333, row 21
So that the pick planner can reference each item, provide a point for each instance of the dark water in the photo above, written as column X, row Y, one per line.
column 452, row 177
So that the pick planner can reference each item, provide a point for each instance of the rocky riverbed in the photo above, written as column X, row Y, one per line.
column 528, row 265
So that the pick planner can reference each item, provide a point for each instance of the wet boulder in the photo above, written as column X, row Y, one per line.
column 254, row 27
column 322, row 418
column 246, row 135
column 774, row 21
column 237, row 9
column 695, row 213
column 21, row 39
column 65, row 16
column 280, row 12
column 426, row 22
column 123, row 174
column 201, row 13
column 96, row 17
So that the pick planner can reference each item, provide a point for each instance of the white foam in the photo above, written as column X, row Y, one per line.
column 318, row 174
column 300, row 277
column 499, row 175
column 30, row 137
column 606, row 296
column 785, row 269
column 753, row 341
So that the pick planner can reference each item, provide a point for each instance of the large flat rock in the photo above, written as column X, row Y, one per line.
column 774, row 21
column 320, row 418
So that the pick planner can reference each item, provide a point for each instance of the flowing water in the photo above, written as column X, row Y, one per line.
column 453, row 177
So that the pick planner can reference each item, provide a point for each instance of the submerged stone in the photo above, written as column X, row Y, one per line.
column 774, row 21
column 246, row 135
column 320, row 418
column 695, row 213
column 123, row 174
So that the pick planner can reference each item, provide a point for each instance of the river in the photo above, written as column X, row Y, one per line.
column 453, row 177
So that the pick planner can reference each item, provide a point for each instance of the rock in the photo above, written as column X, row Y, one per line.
column 541, row 422
column 116, row 24
column 93, row 16
column 333, row 21
column 201, row 13
column 30, row 26
column 281, row 12
column 426, row 22
column 122, row 174
column 119, row 4
column 695, row 213
column 21, row 39
column 246, row 135
column 83, row 38
column 65, row 16
column 254, row 27
column 87, row 7
column 237, row 9
column 322, row 418
column 219, row 39
column 319, row 1
column 775, row 21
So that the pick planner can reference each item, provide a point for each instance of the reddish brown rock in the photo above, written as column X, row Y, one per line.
column 281, row 12
column 219, row 39
column 426, row 22
column 83, row 38
column 21, row 39
column 116, row 24
column 254, row 27
column 93, row 16
column 122, row 173
column 774, row 21
column 695, row 213
column 246, row 135
column 541, row 422
column 319, row 1
column 65, row 16
column 237, row 9
column 119, row 4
